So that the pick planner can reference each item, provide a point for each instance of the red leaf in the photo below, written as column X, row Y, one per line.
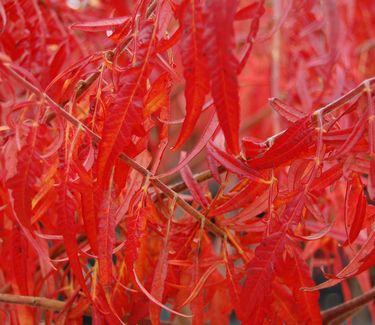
column 223, row 67
column 214, row 168
column 125, row 114
column 327, row 178
column 354, row 214
column 165, row 44
column 336, row 137
column 207, row 134
column 44, row 258
column 286, row 111
column 3, row 18
column 195, row 65
column 106, row 240
column 23, row 183
column 192, row 184
column 253, row 147
column 371, row 122
column 371, row 180
column 244, row 197
column 249, row 12
column 232, row 164
column 290, row 145
column 285, row 305
column 295, row 274
column 19, row 261
column 86, row 189
column 68, row 229
column 158, row 95
column 136, row 223
column 250, row 212
column 100, row 25
column 220, row 307
column 292, row 214
column 354, row 137
column 57, row 61
column 256, row 293
column 160, row 275
column 252, row 34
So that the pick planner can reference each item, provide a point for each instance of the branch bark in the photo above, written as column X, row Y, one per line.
column 337, row 314
column 38, row 302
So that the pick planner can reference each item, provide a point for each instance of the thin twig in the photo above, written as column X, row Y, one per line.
column 40, row 302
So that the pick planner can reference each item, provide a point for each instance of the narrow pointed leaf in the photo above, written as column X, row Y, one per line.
column 223, row 67
column 125, row 114
column 293, row 143
column 195, row 65
column 232, row 164
column 256, row 292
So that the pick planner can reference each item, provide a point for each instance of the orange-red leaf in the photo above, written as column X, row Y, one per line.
column 286, row 111
column 223, row 67
column 158, row 95
column 355, row 208
column 296, row 275
column 290, row 145
column 124, row 117
column 100, row 24
column 232, row 164
column 195, row 65
column 256, row 293
column 106, row 239
column 249, row 12
column 23, row 183
column 193, row 185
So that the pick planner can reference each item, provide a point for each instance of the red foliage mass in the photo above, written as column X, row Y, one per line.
column 105, row 105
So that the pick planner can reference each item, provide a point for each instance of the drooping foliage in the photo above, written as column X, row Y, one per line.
column 186, row 160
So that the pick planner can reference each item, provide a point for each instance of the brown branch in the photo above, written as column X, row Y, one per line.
column 31, row 301
column 84, row 85
column 337, row 314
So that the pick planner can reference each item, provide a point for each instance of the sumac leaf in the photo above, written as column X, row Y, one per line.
column 293, row 143
column 195, row 65
column 232, row 164
column 223, row 65
column 256, row 292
